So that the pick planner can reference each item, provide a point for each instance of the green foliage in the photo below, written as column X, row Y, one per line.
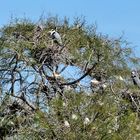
column 37, row 105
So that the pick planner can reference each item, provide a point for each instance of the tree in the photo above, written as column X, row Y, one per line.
column 47, row 93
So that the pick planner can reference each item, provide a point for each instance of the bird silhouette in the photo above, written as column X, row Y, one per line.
column 135, row 77
column 55, row 37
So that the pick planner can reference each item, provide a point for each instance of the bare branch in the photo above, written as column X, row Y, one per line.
column 82, row 77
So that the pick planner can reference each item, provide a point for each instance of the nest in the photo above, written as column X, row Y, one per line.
column 52, row 56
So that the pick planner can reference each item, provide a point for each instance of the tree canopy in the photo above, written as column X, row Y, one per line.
column 49, row 91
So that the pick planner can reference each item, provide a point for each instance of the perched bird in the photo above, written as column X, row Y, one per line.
column 97, row 85
column 104, row 86
column 56, row 37
column 95, row 82
column 86, row 121
column 66, row 124
column 135, row 77
column 56, row 75
column 64, row 104
column 119, row 78
column 74, row 117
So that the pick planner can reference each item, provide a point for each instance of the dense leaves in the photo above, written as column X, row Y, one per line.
column 46, row 90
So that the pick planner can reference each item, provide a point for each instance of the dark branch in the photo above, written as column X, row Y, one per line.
column 82, row 77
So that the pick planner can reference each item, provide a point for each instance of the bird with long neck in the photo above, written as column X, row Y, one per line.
column 55, row 36
column 135, row 77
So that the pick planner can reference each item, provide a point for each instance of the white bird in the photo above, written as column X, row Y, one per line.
column 56, row 37
column 97, row 85
column 64, row 104
column 119, row 78
column 86, row 121
column 74, row 117
column 95, row 82
column 135, row 78
column 56, row 75
column 104, row 86
column 66, row 124
column 68, row 87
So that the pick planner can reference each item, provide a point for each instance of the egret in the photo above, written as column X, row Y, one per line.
column 119, row 78
column 86, row 121
column 64, row 104
column 104, row 86
column 74, row 117
column 135, row 78
column 95, row 82
column 56, row 75
column 66, row 124
column 97, row 85
column 56, row 37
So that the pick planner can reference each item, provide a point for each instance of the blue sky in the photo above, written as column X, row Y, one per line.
column 112, row 16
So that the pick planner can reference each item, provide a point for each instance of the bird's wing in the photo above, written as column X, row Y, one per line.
column 57, row 36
